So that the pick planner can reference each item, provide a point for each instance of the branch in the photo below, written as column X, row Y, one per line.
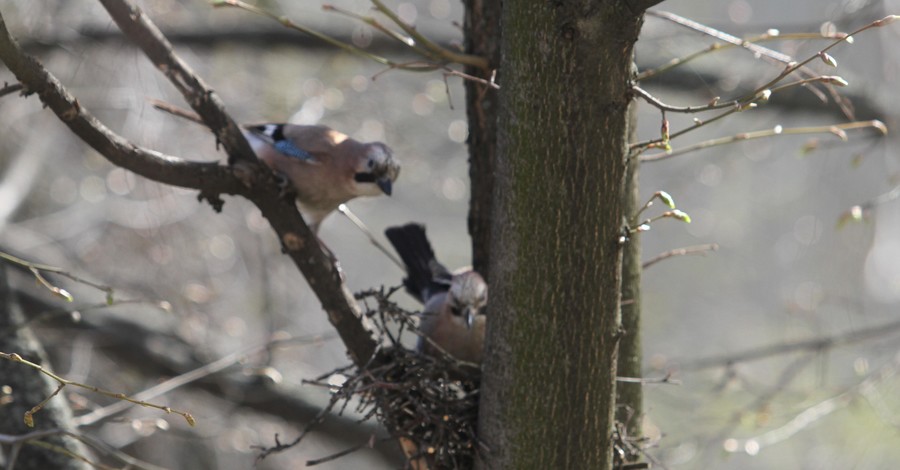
column 815, row 344
column 63, row 382
column 721, row 35
column 718, row 46
column 148, row 163
column 141, row 31
column 436, row 51
column 689, row 250
column 36, row 268
column 813, row 414
column 861, row 211
column 251, row 178
column 320, row 270
column 150, row 353
column 36, row 438
column 186, row 378
column 837, row 129
column 763, row 92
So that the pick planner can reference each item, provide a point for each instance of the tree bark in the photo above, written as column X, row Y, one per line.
column 548, row 392
column 483, row 31
column 630, row 395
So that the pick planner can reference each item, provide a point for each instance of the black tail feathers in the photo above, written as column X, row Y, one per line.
column 425, row 275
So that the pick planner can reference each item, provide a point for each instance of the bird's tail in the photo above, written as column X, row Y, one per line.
column 414, row 249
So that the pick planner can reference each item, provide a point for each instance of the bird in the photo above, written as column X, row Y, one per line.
column 453, row 319
column 324, row 167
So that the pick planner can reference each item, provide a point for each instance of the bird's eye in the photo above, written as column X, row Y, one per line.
column 371, row 163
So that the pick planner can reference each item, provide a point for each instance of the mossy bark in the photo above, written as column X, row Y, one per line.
column 548, row 395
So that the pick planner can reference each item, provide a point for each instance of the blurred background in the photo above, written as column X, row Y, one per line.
column 735, row 327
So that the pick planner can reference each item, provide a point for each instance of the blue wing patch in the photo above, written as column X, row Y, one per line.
column 288, row 148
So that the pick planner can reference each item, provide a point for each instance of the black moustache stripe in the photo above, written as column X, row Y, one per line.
column 364, row 178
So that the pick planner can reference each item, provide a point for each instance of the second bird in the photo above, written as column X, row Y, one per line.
column 452, row 317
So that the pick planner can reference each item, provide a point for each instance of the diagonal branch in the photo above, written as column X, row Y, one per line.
column 250, row 179
column 148, row 163
column 143, row 33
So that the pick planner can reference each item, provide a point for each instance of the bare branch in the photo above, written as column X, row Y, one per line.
column 722, row 36
column 836, row 129
column 814, row 344
column 63, row 382
column 813, row 414
column 211, row 179
column 689, row 250
column 141, row 31
column 320, row 270
column 861, row 211
column 435, row 50
column 7, row 89
column 188, row 377
column 148, row 163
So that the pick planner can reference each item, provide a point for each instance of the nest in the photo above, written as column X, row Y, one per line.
column 429, row 403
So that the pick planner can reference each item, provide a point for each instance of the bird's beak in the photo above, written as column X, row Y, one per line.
column 385, row 184
column 469, row 314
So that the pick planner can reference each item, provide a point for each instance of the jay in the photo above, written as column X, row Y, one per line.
column 452, row 318
column 325, row 167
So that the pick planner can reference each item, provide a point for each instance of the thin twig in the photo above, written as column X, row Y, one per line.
column 37, row 268
column 813, row 414
column 191, row 376
column 176, row 111
column 343, row 209
column 65, row 382
column 702, row 250
column 303, row 29
column 860, row 211
column 761, row 93
column 666, row 379
column 814, row 344
column 444, row 55
column 405, row 40
column 715, row 47
column 720, row 35
column 836, row 129
column 16, row 441
column 7, row 88
column 639, row 147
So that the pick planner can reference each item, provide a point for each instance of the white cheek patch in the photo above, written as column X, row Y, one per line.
column 377, row 155
column 269, row 129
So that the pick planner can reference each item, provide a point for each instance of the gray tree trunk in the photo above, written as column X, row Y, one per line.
column 548, row 393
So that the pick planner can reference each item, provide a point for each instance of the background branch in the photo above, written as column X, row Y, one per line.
column 814, row 344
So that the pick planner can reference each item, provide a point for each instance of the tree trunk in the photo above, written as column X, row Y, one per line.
column 630, row 395
column 482, row 28
column 555, row 267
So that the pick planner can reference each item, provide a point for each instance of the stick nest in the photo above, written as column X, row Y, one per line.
column 429, row 403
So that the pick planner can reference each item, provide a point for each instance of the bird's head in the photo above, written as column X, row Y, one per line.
column 376, row 173
column 467, row 295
